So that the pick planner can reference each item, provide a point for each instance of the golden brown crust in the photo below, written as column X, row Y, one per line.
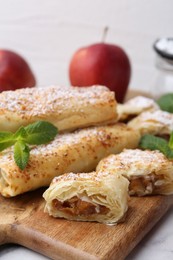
column 67, row 108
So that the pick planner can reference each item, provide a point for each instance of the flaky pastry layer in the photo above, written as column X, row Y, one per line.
column 100, row 197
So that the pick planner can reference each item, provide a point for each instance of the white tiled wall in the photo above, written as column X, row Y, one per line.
column 47, row 32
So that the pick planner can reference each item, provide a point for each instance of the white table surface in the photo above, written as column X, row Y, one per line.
column 47, row 33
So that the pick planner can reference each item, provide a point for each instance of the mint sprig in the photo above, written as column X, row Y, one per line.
column 152, row 142
column 40, row 132
column 165, row 102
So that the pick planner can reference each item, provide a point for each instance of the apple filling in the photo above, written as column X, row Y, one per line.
column 145, row 185
column 77, row 206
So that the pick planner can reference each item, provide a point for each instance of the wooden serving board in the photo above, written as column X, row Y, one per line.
column 23, row 221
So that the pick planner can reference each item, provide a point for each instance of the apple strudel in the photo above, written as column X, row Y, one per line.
column 100, row 197
column 79, row 151
column 149, row 172
column 67, row 108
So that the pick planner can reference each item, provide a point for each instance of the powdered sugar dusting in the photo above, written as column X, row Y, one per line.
column 159, row 116
column 82, row 136
column 129, row 157
column 96, row 176
column 40, row 101
column 142, row 102
column 135, row 162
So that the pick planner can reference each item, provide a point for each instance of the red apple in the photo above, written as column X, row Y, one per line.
column 104, row 64
column 14, row 72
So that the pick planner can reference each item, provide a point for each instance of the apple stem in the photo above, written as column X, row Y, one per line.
column 105, row 32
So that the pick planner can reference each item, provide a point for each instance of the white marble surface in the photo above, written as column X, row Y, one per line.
column 158, row 243
column 48, row 32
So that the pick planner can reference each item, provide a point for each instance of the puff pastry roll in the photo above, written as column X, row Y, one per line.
column 156, row 122
column 100, row 197
column 79, row 151
column 149, row 172
column 135, row 106
column 67, row 108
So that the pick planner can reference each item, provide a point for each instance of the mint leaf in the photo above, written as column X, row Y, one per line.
column 20, row 134
column 21, row 154
column 165, row 102
column 6, row 140
column 171, row 141
column 156, row 143
column 170, row 154
column 40, row 132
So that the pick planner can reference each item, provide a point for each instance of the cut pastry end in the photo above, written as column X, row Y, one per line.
column 149, row 172
column 150, row 185
column 88, row 197
column 4, row 185
column 10, row 187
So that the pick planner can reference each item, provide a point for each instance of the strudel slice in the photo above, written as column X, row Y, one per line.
column 149, row 172
column 100, row 197
column 68, row 108
column 155, row 122
column 135, row 106
column 79, row 151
